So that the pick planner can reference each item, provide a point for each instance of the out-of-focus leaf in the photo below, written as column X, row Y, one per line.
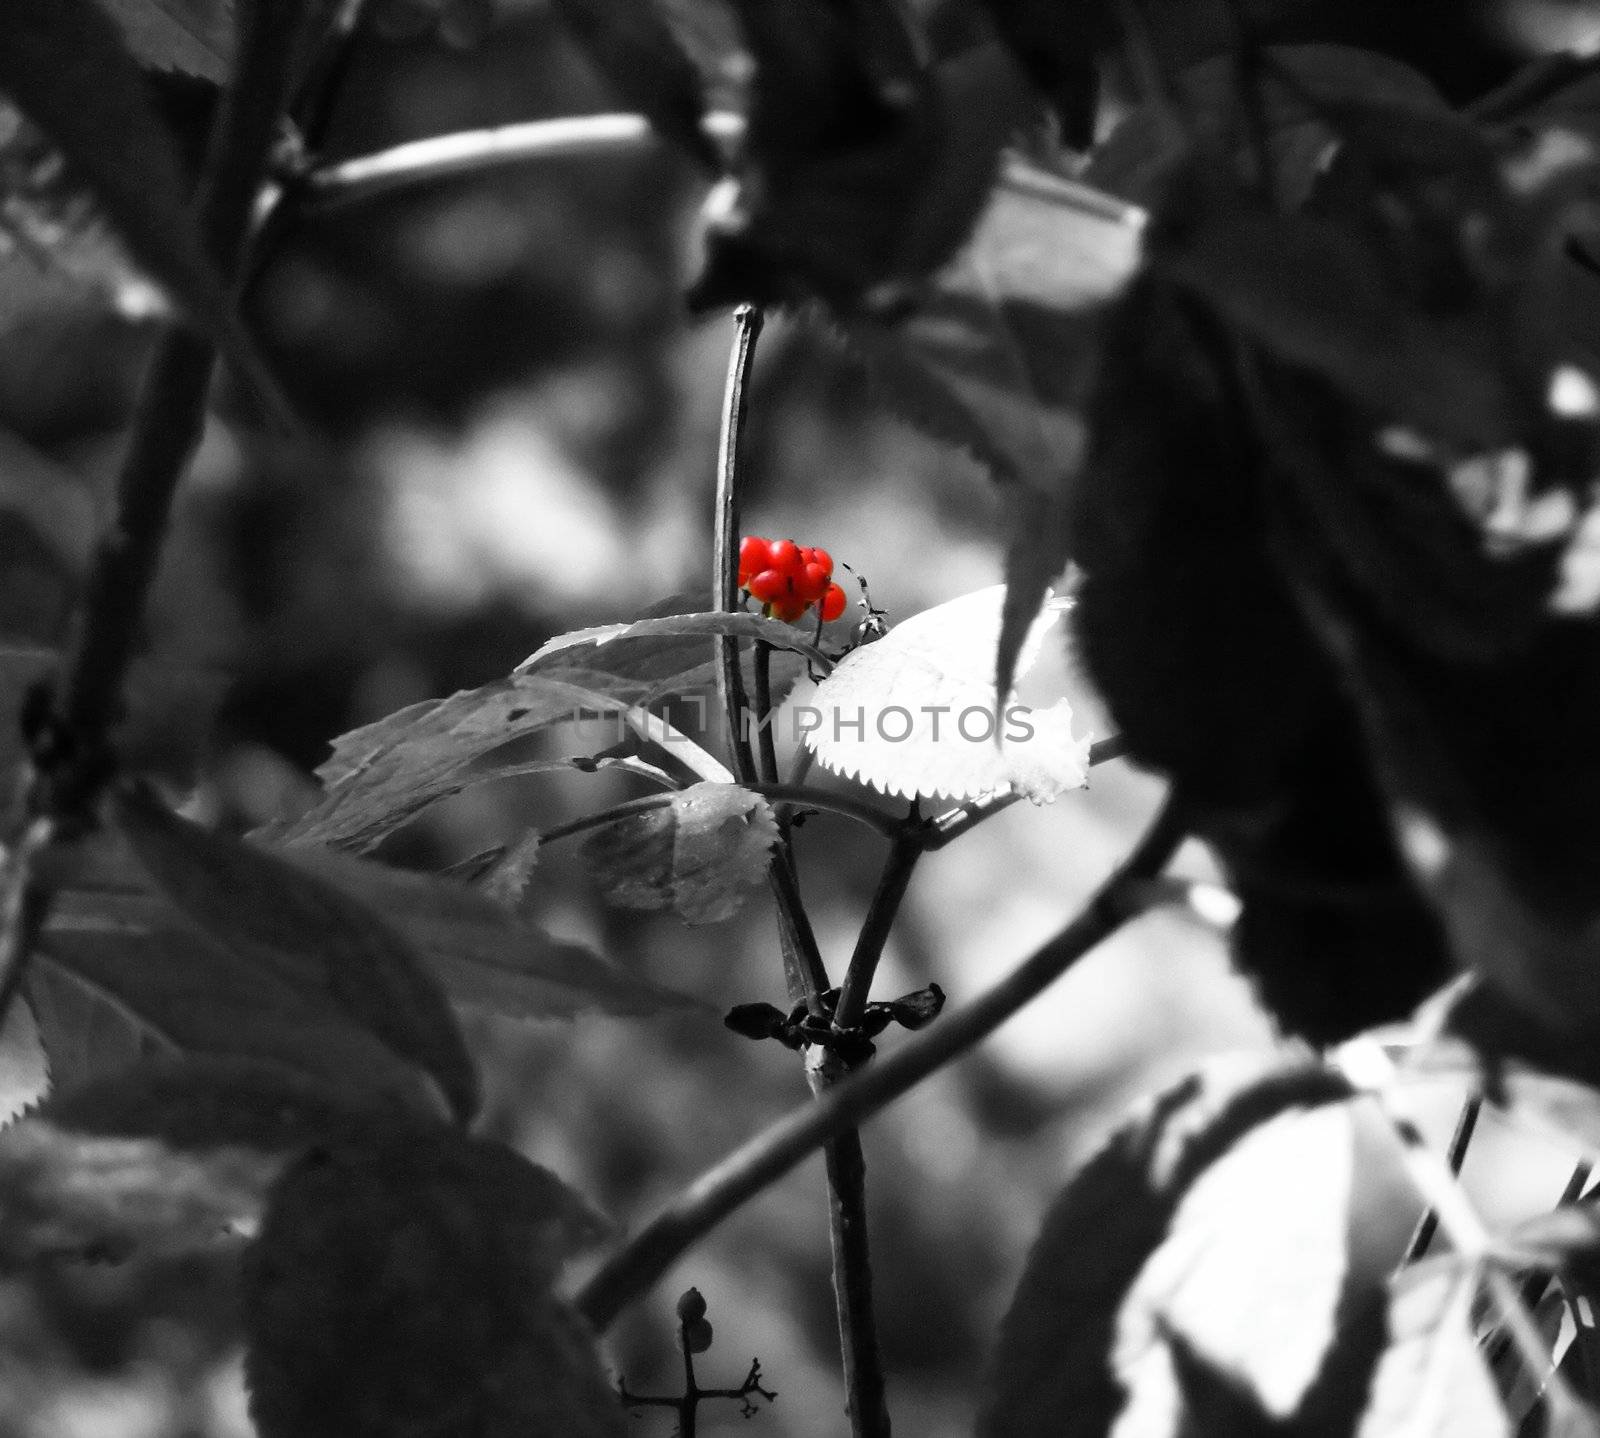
column 1105, row 1284
column 55, row 503
column 482, row 953
column 1056, row 42
column 638, row 55
column 195, row 999
column 85, row 1035
column 193, row 37
column 170, row 706
column 995, row 354
column 485, row 955
column 1432, row 1380
column 50, row 226
column 204, row 1103
column 66, row 66
column 915, row 712
column 71, row 1195
column 864, row 171
column 698, row 854
column 1306, row 95
column 308, row 933
column 406, row 1288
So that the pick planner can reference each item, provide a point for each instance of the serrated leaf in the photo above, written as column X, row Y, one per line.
column 406, row 1288
column 638, row 55
column 193, row 37
column 307, row 933
column 66, row 65
column 24, row 1065
column 914, row 712
column 386, row 773
column 698, row 854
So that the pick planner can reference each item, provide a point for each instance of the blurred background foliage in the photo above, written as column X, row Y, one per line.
column 519, row 421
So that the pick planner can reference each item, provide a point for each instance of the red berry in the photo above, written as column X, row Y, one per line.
column 789, row 608
column 833, row 603
column 811, row 583
column 768, row 585
column 755, row 554
column 786, row 556
column 821, row 557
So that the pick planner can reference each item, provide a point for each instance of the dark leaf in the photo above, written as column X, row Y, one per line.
column 193, row 998
column 66, row 66
column 308, row 933
column 864, row 171
column 917, row 1010
column 755, row 1021
column 193, row 37
column 85, row 1035
column 1214, row 676
column 638, row 55
column 204, row 1103
column 1310, row 97
column 482, row 953
column 406, row 1288
column 1056, row 41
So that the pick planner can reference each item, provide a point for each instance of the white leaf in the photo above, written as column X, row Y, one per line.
column 914, row 713
column 1432, row 1381
column 24, row 1066
column 1259, row 1260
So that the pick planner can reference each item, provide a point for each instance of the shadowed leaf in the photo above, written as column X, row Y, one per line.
column 699, row 854
column 66, row 65
column 305, row 932
column 406, row 1288
column 193, row 37
column 638, row 55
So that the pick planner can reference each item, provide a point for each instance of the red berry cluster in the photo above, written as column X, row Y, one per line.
column 788, row 579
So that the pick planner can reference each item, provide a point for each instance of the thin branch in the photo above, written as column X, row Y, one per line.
column 767, row 1157
column 768, row 753
column 866, row 1395
column 893, row 882
column 72, row 748
column 473, row 152
column 747, row 321
column 1455, row 1156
